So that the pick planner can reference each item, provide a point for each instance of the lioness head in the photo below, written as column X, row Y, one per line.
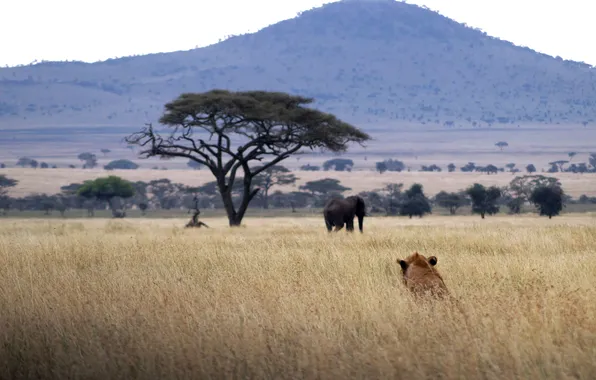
column 420, row 275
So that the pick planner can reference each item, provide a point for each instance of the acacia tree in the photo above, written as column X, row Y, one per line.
column 276, row 175
column 89, row 159
column 548, row 199
column 264, row 124
column 451, row 201
column 106, row 189
column 324, row 187
column 416, row 203
column 5, row 183
column 523, row 186
column 484, row 200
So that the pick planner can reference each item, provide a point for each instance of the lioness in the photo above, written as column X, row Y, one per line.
column 420, row 275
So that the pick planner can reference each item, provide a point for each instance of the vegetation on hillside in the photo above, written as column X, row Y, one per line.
column 374, row 62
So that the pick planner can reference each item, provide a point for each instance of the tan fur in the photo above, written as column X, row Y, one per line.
column 420, row 275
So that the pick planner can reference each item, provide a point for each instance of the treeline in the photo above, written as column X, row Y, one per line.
column 113, row 193
column 89, row 161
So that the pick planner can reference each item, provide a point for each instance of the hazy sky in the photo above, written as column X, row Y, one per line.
column 96, row 30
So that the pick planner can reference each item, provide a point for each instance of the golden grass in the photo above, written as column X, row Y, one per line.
column 281, row 298
column 50, row 180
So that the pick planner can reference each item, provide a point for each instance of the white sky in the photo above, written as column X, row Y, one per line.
column 96, row 30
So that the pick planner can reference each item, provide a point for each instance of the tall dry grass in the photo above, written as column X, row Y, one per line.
column 283, row 299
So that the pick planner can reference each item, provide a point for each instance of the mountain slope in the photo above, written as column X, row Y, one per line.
column 380, row 62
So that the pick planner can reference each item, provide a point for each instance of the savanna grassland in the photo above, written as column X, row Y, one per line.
column 49, row 181
column 281, row 298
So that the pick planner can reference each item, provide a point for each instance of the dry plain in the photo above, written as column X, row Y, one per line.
column 50, row 180
column 281, row 298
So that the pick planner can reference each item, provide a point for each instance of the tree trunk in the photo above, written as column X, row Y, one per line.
column 482, row 215
column 247, row 196
column 235, row 217
column 266, row 199
column 226, row 197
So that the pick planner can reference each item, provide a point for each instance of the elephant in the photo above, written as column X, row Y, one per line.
column 338, row 212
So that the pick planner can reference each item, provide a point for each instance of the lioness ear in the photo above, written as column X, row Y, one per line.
column 432, row 260
column 402, row 264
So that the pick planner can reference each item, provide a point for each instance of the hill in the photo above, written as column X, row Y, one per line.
column 381, row 63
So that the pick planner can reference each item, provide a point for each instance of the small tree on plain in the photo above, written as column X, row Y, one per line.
column 530, row 168
column 106, row 189
column 490, row 168
column 523, row 186
column 194, row 165
column 25, row 161
column 323, row 187
column 469, row 167
column 416, row 203
column 122, row 164
column 592, row 161
column 310, row 168
column 559, row 165
column 339, row 164
column 392, row 198
column 276, row 175
column 549, row 200
column 5, row 184
column 450, row 201
column 484, row 200
column 430, row 168
column 501, row 145
column 381, row 167
column 89, row 159
column 394, row 165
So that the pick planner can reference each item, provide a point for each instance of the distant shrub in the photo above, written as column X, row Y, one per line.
column 121, row 164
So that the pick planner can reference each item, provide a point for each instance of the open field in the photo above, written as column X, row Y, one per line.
column 414, row 144
column 50, row 180
column 281, row 298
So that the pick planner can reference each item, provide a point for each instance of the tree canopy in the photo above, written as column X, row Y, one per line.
column 324, row 186
column 484, row 200
column 523, row 186
column 106, row 189
column 5, row 183
column 416, row 202
column 274, row 125
column 451, row 201
column 276, row 175
column 89, row 159
column 122, row 164
column 548, row 199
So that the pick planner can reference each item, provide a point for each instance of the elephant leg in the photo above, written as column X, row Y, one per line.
column 350, row 225
column 329, row 225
